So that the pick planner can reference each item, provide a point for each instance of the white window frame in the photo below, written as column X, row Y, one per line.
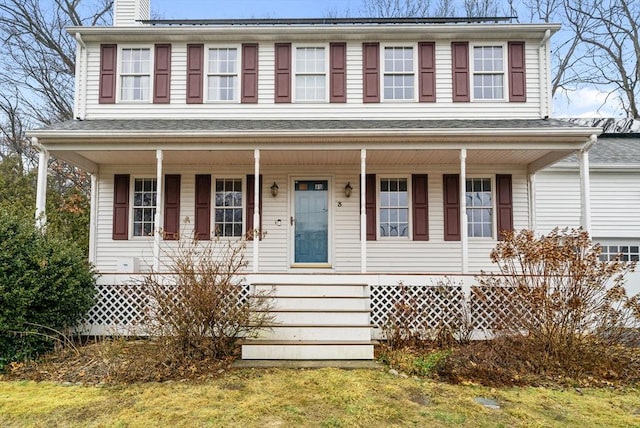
column 379, row 178
column 630, row 252
column 295, row 73
column 238, row 74
column 383, row 72
column 505, row 73
column 121, row 75
column 243, row 187
column 133, row 207
column 492, row 182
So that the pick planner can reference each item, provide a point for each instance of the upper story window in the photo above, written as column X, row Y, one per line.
column 144, row 206
column 394, row 207
column 310, row 74
column 399, row 73
column 479, row 202
column 488, row 72
column 222, row 75
column 135, row 74
column 228, row 207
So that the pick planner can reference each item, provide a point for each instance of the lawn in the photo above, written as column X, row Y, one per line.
column 315, row 398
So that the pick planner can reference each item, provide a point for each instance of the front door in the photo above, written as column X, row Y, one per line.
column 311, row 221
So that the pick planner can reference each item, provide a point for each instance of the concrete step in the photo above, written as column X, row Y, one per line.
column 317, row 303
column 320, row 332
column 314, row 290
column 327, row 317
column 315, row 350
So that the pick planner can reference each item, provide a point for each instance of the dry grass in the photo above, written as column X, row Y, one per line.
column 314, row 398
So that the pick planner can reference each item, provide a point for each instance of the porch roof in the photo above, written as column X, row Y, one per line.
column 533, row 142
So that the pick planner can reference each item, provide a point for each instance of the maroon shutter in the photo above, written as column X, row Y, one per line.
column 517, row 72
column 249, row 73
column 451, row 183
column 283, row 73
column 370, row 205
column 172, row 207
column 460, row 68
column 427, row 72
column 195, row 70
column 338, row 59
column 120, row 207
column 107, row 91
column 203, row 207
column 420, row 202
column 162, row 75
column 371, row 72
column 251, row 205
column 504, row 204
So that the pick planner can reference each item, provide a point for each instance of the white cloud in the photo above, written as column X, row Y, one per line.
column 586, row 102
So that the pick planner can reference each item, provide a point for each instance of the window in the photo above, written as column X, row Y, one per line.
column 135, row 74
column 399, row 79
column 228, row 210
column 311, row 74
column 488, row 73
column 394, row 207
column 222, row 77
column 144, row 206
column 479, row 207
column 624, row 253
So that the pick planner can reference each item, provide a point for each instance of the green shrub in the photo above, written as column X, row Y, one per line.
column 431, row 364
column 46, row 287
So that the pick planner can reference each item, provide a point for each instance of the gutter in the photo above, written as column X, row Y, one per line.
column 544, row 106
column 81, row 78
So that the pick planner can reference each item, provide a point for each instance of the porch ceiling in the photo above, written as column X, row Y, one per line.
column 395, row 157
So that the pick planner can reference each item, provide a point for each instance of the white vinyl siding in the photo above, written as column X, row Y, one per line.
column 354, row 108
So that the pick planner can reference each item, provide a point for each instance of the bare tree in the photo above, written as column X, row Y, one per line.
column 611, row 58
column 439, row 8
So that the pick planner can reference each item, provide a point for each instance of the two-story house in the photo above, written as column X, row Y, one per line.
column 370, row 153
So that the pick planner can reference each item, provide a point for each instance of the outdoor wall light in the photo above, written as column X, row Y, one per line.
column 347, row 190
column 274, row 189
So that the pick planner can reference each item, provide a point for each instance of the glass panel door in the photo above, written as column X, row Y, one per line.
column 311, row 226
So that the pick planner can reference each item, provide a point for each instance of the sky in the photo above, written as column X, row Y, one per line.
column 585, row 102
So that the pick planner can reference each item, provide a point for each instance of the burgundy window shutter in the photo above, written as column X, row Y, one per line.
column 203, row 207
column 171, row 207
column 249, row 79
column 427, row 72
column 283, row 73
column 120, row 207
column 338, row 84
column 460, row 69
column 420, row 201
column 162, row 74
column 451, row 183
column 108, row 64
column 251, row 205
column 504, row 204
column 370, row 206
column 195, row 73
column 517, row 72
column 371, row 72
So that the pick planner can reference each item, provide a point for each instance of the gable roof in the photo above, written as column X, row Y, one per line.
column 611, row 150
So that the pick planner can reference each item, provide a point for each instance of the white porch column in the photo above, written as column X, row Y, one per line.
column 532, row 202
column 93, row 216
column 464, row 237
column 256, row 211
column 585, row 186
column 158, row 220
column 363, row 210
column 41, row 190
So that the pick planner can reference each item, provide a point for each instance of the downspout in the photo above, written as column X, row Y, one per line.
column 544, row 49
column 41, row 189
column 585, row 186
column 81, row 78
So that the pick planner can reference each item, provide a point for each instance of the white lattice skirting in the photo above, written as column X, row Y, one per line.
column 120, row 309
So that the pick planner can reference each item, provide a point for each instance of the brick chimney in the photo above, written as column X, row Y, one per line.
column 127, row 13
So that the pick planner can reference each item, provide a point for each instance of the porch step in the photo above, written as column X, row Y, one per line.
column 313, row 322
